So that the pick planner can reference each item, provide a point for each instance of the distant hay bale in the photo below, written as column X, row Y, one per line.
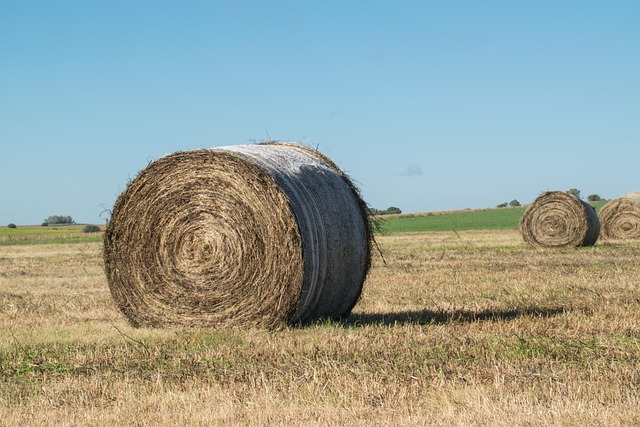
column 252, row 235
column 558, row 219
column 620, row 218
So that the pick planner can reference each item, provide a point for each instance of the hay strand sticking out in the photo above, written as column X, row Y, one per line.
column 255, row 235
column 620, row 217
column 558, row 219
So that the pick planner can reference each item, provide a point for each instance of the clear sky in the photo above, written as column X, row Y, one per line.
column 427, row 105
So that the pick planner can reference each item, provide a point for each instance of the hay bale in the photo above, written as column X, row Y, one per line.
column 620, row 218
column 559, row 219
column 255, row 235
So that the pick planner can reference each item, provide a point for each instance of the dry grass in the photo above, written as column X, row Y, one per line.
column 467, row 328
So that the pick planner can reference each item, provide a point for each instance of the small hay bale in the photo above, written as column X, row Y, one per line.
column 557, row 219
column 251, row 235
column 620, row 218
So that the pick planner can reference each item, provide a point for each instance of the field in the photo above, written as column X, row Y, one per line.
column 479, row 219
column 31, row 234
column 455, row 328
column 489, row 219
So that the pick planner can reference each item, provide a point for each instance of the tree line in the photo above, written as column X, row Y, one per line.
column 67, row 220
column 390, row 210
column 574, row 191
column 58, row 219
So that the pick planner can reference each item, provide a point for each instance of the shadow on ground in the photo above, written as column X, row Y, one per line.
column 430, row 317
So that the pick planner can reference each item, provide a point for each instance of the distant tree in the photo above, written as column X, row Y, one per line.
column 594, row 198
column 502, row 205
column 388, row 211
column 90, row 228
column 58, row 219
column 574, row 191
column 393, row 210
column 514, row 203
column 12, row 225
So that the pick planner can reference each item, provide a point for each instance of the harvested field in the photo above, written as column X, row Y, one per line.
column 466, row 328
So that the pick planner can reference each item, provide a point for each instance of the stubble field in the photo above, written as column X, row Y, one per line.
column 456, row 328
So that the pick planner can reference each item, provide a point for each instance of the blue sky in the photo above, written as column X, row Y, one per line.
column 427, row 105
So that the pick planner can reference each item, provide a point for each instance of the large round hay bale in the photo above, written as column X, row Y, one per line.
column 558, row 219
column 253, row 235
column 620, row 218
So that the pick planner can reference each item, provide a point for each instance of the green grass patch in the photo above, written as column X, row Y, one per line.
column 68, row 239
column 32, row 234
column 36, row 230
column 491, row 219
column 486, row 219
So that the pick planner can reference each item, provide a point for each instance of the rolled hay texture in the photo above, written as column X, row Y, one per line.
column 557, row 219
column 251, row 235
column 620, row 218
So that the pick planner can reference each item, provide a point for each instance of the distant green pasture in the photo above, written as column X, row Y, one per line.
column 29, row 234
column 30, row 230
column 488, row 219
column 472, row 220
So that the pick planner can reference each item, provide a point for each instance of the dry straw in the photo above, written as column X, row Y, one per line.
column 559, row 219
column 253, row 235
column 620, row 218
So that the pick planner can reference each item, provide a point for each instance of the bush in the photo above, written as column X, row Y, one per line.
column 12, row 225
column 575, row 192
column 59, row 219
column 388, row 211
column 91, row 228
